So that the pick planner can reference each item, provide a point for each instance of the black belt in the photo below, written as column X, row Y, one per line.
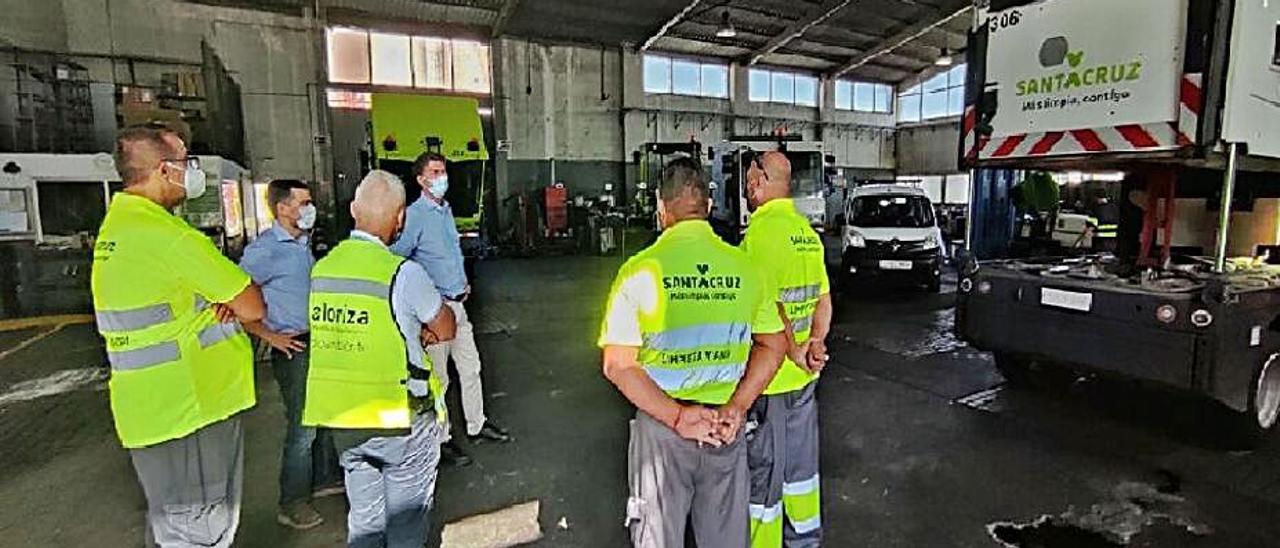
column 455, row 298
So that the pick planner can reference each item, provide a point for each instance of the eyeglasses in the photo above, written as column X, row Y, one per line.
column 189, row 162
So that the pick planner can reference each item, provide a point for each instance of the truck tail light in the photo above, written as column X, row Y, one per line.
column 1166, row 314
column 1201, row 318
column 984, row 287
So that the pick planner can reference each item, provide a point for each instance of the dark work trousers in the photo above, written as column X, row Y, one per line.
column 309, row 459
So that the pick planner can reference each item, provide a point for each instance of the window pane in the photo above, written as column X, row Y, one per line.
column 758, row 85
column 391, row 65
column 934, row 105
column 349, row 99
column 864, row 99
column 470, row 66
column 806, row 91
column 348, row 56
column 783, row 87
column 844, row 95
column 715, row 81
column 883, row 102
column 913, row 90
column 686, row 78
column 432, row 63
column 909, row 108
column 657, row 74
column 956, row 77
column 936, row 83
column 955, row 101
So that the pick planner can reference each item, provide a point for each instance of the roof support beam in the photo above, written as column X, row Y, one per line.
column 797, row 29
column 897, row 40
column 675, row 20
column 500, row 24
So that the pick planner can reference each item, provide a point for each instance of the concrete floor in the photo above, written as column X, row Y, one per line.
column 921, row 445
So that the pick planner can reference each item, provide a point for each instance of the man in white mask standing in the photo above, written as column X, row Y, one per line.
column 280, row 261
column 430, row 238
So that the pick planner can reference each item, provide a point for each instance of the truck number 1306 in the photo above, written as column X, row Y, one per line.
column 1005, row 20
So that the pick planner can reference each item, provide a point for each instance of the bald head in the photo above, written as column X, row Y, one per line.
column 378, row 207
column 769, row 178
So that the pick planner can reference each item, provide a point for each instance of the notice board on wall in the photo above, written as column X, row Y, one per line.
column 402, row 123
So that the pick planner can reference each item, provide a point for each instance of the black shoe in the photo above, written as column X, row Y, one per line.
column 452, row 455
column 490, row 432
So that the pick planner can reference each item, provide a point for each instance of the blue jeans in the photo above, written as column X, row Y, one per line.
column 391, row 483
column 309, row 459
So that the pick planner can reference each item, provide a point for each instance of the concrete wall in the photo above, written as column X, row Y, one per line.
column 582, row 111
column 271, row 56
column 929, row 149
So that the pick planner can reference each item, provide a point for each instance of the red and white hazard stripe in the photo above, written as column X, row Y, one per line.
column 1123, row 138
column 1190, row 106
column 1134, row 137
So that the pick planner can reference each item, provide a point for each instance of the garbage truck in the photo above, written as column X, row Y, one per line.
column 1183, row 97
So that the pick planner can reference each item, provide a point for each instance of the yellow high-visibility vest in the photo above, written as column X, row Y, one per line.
column 789, row 254
column 696, row 332
column 174, row 367
column 359, row 374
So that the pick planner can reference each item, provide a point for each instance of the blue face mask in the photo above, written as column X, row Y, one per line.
column 439, row 186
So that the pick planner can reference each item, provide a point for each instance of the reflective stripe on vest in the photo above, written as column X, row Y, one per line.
column 350, row 286
column 135, row 319
column 147, row 356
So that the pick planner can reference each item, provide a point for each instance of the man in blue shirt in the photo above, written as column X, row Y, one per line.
column 430, row 238
column 280, row 261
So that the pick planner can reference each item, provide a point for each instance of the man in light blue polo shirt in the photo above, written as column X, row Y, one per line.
column 430, row 238
column 280, row 261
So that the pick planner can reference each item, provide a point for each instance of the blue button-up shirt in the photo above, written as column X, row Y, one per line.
column 430, row 238
column 281, row 264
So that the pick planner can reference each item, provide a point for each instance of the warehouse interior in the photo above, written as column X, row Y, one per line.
column 556, row 117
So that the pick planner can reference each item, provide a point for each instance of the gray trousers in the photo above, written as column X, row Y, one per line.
column 193, row 486
column 673, row 480
column 782, row 455
column 391, row 482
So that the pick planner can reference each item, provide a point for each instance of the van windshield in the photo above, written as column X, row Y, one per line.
column 891, row 211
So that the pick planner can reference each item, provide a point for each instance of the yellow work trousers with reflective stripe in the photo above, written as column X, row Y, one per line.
column 782, row 458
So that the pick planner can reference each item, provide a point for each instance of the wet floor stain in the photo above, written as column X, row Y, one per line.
column 1135, row 507
column 1043, row 533
column 937, row 337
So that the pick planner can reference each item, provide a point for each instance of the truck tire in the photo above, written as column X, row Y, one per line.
column 1016, row 370
column 1264, row 403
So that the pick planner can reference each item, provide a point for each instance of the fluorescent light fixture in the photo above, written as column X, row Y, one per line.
column 726, row 29
column 946, row 60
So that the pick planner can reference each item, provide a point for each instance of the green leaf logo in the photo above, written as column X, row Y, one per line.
column 1074, row 58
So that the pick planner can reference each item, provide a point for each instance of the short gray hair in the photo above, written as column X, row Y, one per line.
column 380, row 185
column 379, row 193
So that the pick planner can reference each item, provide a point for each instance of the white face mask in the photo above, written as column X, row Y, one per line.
column 193, row 181
column 307, row 217
column 439, row 186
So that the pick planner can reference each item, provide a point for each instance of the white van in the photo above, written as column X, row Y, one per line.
column 890, row 232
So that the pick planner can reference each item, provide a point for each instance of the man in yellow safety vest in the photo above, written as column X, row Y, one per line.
column 371, row 313
column 167, row 301
column 691, row 338
column 785, row 501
